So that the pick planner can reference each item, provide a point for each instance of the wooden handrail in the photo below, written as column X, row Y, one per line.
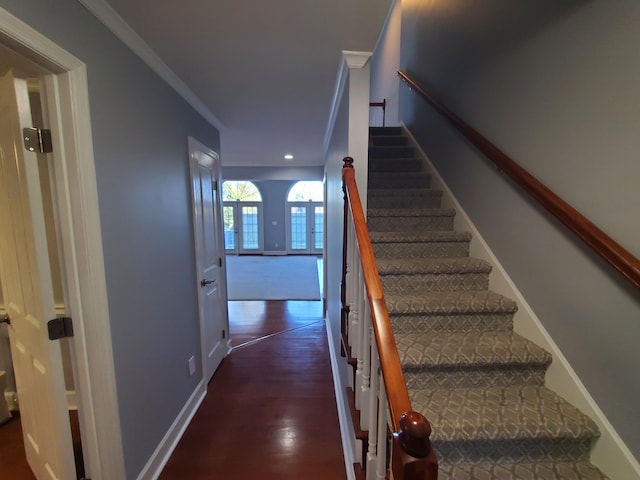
column 607, row 248
column 411, row 429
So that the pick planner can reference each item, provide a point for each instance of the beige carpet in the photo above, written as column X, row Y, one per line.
column 256, row 277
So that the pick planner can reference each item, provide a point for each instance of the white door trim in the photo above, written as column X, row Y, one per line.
column 196, row 146
column 76, row 203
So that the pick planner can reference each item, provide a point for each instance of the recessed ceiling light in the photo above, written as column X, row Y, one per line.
column 288, row 156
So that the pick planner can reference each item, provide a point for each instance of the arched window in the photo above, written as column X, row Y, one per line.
column 305, row 217
column 242, row 211
column 305, row 191
column 243, row 191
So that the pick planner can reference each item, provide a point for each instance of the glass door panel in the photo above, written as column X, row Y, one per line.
column 230, row 229
column 298, row 229
column 317, row 231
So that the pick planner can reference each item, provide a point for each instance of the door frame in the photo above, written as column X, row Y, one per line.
column 76, row 205
column 196, row 146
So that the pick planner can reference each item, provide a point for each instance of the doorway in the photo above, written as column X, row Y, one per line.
column 64, row 82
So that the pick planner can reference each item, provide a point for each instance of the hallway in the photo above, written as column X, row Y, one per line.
column 270, row 411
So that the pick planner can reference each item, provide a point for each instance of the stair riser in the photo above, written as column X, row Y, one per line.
column 385, row 131
column 409, row 224
column 501, row 451
column 421, row 250
column 392, row 152
column 391, row 180
column 451, row 323
column 434, row 282
column 392, row 141
column 474, row 377
column 395, row 165
column 420, row 201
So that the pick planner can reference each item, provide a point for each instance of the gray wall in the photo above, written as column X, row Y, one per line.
column 555, row 85
column 274, row 184
column 385, row 63
column 140, row 128
column 334, row 204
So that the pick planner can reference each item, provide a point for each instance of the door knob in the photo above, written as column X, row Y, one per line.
column 5, row 319
column 204, row 282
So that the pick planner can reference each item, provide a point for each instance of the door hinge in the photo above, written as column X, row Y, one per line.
column 224, row 334
column 61, row 327
column 219, row 261
column 37, row 140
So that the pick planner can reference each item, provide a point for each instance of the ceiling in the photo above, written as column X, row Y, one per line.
column 265, row 69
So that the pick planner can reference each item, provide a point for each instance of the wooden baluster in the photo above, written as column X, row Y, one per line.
column 363, row 332
column 365, row 391
column 381, row 466
column 372, row 450
column 352, row 274
column 343, row 285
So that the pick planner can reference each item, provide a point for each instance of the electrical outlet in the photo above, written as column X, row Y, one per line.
column 192, row 366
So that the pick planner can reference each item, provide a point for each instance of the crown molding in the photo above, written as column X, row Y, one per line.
column 121, row 29
column 356, row 59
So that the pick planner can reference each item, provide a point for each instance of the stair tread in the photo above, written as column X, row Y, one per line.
column 419, row 236
column 468, row 349
column 450, row 302
column 514, row 470
column 403, row 192
column 413, row 266
column 411, row 212
column 494, row 413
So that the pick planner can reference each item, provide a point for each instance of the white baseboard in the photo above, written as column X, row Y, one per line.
column 274, row 252
column 12, row 400
column 158, row 460
column 344, row 416
column 610, row 454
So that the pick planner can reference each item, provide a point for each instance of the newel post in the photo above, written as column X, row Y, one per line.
column 413, row 456
column 347, row 163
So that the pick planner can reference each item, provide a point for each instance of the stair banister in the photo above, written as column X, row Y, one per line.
column 412, row 457
column 607, row 248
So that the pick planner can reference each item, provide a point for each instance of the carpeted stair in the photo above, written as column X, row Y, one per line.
column 480, row 385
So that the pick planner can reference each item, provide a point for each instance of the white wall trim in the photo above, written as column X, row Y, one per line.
column 162, row 453
column 356, row 59
column 121, row 29
column 12, row 400
column 350, row 59
column 610, row 454
column 344, row 416
column 76, row 202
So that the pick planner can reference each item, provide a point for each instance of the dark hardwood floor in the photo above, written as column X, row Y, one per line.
column 270, row 411
column 13, row 462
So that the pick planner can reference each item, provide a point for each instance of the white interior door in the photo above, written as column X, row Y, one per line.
column 26, row 279
column 205, row 174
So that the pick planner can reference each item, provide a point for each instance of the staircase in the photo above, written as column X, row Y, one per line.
column 479, row 384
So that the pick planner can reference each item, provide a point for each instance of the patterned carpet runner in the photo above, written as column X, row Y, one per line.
column 480, row 384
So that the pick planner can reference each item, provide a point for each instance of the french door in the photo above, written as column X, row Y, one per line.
column 242, row 227
column 305, row 227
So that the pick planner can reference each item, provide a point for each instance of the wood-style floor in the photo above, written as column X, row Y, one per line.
column 13, row 461
column 270, row 411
